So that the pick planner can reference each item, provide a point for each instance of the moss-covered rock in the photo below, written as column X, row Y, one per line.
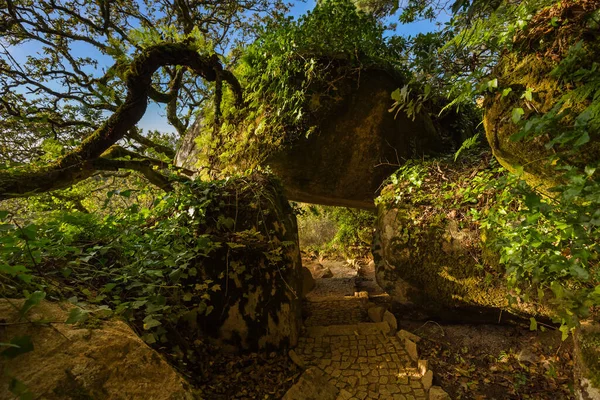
column 255, row 266
column 429, row 251
column 531, row 66
column 356, row 145
column 587, row 361
column 73, row 362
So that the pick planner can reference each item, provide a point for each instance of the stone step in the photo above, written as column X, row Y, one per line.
column 359, row 329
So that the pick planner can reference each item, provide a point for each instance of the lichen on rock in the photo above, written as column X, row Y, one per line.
column 529, row 80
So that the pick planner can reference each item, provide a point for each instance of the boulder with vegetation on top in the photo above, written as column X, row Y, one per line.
column 254, row 268
column 429, row 248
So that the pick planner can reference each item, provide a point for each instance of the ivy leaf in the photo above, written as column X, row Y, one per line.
column 396, row 95
column 3, row 214
column 150, row 322
column 76, row 315
column 528, row 95
column 20, row 345
column 517, row 114
column 565, row 331
column 506, row 92
column 19, row 389
column 583, row 139
column 533, row 324
column 33, row 300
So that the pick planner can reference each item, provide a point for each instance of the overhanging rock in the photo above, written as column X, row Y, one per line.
column 358, row 144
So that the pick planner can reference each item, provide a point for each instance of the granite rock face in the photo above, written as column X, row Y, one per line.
column 256, row 266
column 108, row 361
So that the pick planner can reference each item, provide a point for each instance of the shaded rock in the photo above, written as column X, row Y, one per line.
column 427, row 380
column 312, row 385
column 308, row 282
column 68, row 362
column 391, row 320
column 353, row 149
column 343, row 163
column 296, row 359
column 587, row 361
column 376, row 313
column 437, row 393
column 258, row 304
column 402, row 334
column 324, row 274
column 435, row 260
column 411, row 349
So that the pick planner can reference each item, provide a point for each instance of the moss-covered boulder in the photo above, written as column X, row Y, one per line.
column 429, row 250
column 104, row 361
column 566, row 35
column 355, row 145
column 587, row 361
column 254, row 268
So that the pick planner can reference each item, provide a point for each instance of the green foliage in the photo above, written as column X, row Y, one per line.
column 549, row 243
column 142, row 263
column 338, row 231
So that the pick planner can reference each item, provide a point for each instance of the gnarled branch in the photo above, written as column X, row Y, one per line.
column 82, row 162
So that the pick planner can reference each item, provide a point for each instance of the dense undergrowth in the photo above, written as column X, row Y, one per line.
column 335, row 231
column 548, row 249
column 142, row 264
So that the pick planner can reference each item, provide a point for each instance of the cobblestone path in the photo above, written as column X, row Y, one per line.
column 332, row 301
column 363, row 359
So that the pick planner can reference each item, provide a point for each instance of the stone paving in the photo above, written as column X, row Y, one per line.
column 363, row 359
column 364, row 365
column 332, row 301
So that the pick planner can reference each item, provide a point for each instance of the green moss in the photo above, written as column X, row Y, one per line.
column 430, row 227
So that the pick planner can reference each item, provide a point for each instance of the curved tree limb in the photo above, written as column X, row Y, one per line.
column 82, row 162
column 135, row 135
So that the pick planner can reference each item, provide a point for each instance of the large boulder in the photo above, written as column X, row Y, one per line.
column 355, row 147
column 531, row 65
column 257, row 268
column 106, row 361
column 431, row 255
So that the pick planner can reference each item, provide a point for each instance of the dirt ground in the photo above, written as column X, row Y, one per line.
column 496, row 361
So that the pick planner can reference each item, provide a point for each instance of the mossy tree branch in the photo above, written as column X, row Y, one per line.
column 134, row 134
column 82, row 162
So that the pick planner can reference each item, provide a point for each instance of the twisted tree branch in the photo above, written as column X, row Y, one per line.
column 82, row 162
